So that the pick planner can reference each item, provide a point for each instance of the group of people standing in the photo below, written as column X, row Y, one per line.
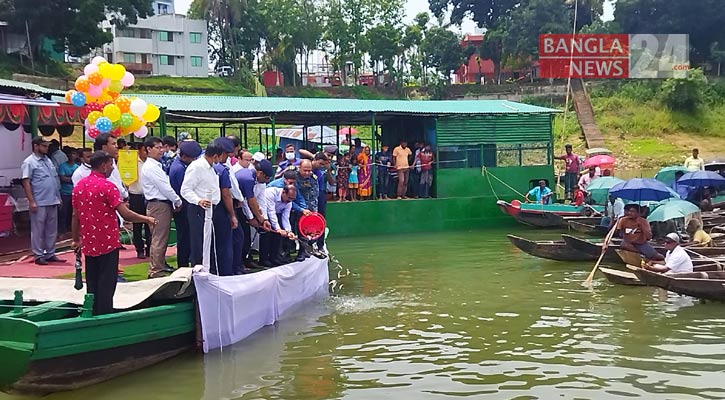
column 402, row 173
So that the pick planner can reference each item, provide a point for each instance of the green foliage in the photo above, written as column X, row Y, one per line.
column 686, row 94
column 211, row 85
column 73, row 25
column 443, row 51
column 10, row 64
column 701, row 20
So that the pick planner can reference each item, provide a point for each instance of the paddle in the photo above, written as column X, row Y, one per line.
column 588, row 282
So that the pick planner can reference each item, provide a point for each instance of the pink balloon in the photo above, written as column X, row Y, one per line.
column 105, row 83
column 95, row 91
column 90, row 68
column 127, row 79
column 141, row 132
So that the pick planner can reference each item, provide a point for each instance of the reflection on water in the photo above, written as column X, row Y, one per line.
column 459, row 315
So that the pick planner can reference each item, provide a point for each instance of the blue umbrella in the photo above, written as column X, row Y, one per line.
column 642, row 189
column 702, row 179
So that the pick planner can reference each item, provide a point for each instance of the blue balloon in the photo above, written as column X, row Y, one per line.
column 103, row 124
column 78, row 99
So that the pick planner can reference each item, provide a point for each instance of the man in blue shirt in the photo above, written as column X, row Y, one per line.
column 170, row 146
column 42, row 188
column 541, row 193
column 223, row 217
column 188, row 151
column 65, row 172
column 384, row 160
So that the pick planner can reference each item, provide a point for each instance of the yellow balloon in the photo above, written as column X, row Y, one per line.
column 105, row 97
column 112, row 112
column 136, row 124
column 152, row 113
column 117, row 73
column 106, row 70
column 93, row 117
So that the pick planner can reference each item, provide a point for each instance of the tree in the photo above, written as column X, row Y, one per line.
column 444, row 52
column 223, row 17
column 701, row 19
column 73, row 25
column 527, row 22
column 384, row 45
column 489, row 14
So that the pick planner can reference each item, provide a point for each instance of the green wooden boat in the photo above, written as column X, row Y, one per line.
column 57, row 346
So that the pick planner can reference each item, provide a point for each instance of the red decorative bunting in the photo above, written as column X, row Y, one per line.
column 62, row 115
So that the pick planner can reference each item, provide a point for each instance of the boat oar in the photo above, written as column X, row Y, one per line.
column 588, row 282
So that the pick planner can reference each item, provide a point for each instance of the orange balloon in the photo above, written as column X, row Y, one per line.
column 82, row 84
column 123, row 103
column 114, row 95
column 95, row 78
column 68, row 95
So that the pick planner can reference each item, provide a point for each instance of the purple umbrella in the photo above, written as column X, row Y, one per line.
column 641, row 189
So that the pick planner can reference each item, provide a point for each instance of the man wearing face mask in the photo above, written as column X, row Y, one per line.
column 290, row 156
column 170, row 145
column 200, row 189
column 224, row 217
column 95, row 203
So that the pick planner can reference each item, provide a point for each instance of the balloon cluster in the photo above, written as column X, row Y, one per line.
column 99, row 91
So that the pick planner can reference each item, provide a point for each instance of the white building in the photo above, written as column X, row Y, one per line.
column 163, row 44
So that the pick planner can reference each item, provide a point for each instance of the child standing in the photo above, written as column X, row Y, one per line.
column 353, row 183
column 343, row 176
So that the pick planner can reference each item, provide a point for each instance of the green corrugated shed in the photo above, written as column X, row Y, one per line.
column 263, row 105
column 487, row 129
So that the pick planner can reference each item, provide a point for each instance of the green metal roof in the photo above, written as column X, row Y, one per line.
column 30, row 87
column 270, row 105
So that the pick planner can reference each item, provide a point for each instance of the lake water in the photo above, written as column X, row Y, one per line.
column 432, row 316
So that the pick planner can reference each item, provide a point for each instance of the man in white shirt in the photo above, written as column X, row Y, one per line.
column 107, row 143
column 676, row 260
column 201, row 190
column 161, row 202
column 278, row 206
column 695, row 163
column 137, row 204
column 587, row 178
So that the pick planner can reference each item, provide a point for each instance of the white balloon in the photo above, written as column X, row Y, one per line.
column 138, row 107
column 98, row 60
column 90, row 68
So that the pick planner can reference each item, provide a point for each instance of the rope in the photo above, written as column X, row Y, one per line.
column 485, row 171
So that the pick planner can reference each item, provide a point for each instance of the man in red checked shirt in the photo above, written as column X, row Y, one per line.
column 95, row 202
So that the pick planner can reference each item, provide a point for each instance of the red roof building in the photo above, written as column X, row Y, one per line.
column 479, row 67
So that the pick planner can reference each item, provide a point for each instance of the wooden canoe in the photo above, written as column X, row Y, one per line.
column 588, row 229
column 620, row 277
column 703, row 285
column 549, row 249
column 549, row 220
column 593, row 249
column 700, row 264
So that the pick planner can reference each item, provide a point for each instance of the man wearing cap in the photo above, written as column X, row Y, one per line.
column 189, row 150
column 676, row 260
column 161, row 203
column 541, row 193
column 201, row 189
column 223, row 217
column 42, row 188
column 237, row 203
column 572, row 168
column 636, row 233
column 252, row 214
column 587, row 178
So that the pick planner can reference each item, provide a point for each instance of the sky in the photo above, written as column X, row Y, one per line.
column 413, row 7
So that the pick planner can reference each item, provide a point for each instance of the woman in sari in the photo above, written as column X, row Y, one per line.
column 364, row 174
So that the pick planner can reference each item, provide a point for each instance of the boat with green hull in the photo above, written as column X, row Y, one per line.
column 56, row 346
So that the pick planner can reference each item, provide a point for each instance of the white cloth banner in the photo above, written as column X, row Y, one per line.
column 233, row 307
